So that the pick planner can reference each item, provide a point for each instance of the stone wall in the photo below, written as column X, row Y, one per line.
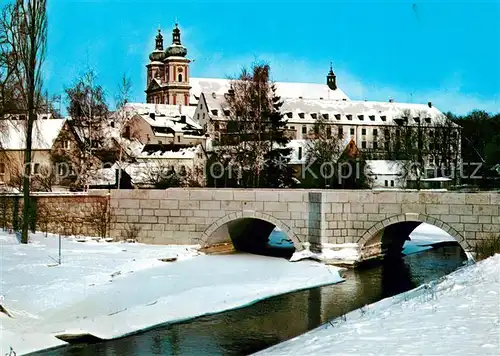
column 67, row 214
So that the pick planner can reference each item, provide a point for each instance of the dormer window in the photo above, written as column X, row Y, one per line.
column 289, row 114
column 372, row 117
column 416, row 119
column 325, row 116
column 301, row 115
column 215, row 112
column 226, row 112
column 383, row 118
column 314, row 115
column 349, row 117
column 337, row 116
column 428, row 120
column 361, row 117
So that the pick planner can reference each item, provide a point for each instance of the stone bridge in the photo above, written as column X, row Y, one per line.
column 378, row 221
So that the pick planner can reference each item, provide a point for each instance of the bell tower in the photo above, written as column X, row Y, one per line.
column 177, row 71
column 331, row 79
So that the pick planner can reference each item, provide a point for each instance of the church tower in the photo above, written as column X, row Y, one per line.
column 168, row 72
column 331, row 79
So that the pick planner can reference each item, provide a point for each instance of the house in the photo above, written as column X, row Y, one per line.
column 13, row 144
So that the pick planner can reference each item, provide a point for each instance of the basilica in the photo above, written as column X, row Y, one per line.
column 172, row 93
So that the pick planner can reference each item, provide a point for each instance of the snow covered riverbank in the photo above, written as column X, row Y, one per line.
column 457, row 315
column 110, row 290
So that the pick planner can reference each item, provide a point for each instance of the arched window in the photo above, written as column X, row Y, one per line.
column 179, row 78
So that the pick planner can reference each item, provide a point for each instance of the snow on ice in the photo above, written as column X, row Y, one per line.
column 456, row 315
column 114, row 289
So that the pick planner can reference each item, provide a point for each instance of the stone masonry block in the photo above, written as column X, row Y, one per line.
column 389, row 208
column 491, row 210
column 461, row 209
column 275, row 206
column 472, row 227
column 169, row 204
column 223, row 194
column 210, row 205
column 450, row 218
column 292, row 196
column 370, row 208
column 407, row 197
column 177, row 194
column 244, row 195
column 384, row 197
column 191, row 204
column 267, row 195
column 469, row 219
column 436, row 209
column 150, row 204
column 477, row 198
column 148, row 219
column 129, row 204
column 201, row 194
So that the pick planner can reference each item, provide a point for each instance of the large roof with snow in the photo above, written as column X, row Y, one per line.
column 284, row 89
column 45, row 132
column 352, row 112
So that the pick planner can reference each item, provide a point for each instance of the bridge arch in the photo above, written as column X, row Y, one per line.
column 392, row 232
column 238, row 225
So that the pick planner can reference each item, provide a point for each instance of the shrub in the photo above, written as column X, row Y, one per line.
column 487, row 248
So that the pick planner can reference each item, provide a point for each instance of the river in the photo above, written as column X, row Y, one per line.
column 256, row 327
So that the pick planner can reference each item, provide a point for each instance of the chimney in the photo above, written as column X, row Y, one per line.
column 429, row 104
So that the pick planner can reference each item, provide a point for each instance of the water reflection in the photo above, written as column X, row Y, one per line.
column 253, row 328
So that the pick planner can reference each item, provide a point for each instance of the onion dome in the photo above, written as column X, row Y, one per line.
column 158, row 54
column 176, row 48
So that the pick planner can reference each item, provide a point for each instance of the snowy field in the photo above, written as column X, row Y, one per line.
column 457, row 315
column 114, row 289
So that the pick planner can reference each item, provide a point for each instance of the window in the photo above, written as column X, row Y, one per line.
column 383, row 118
column 428, row 120
column 112, row 124
column 216, row 126
column 375, row 132
column 363, row 131
column 36, row 168
column 337, row 116
column 179, row 78
column 349, row 117
column 363, row 144
column 392, row 183
column 372, row 117
column 314, row 115
column 328, row 132
column 341, row 131
column 67, row 144
column 386, row 183
column 375, row 145
column 203, row 116
column 352, row 131
column 304, row 129
column 301, row 115
column 361, row 117
column 387, row 133
column 431, row 133
column 300, row 153
column 325, row 116
column 292, row 127
column 198, row 116
column 2, row 168
column 178, row 139
column 201, row 106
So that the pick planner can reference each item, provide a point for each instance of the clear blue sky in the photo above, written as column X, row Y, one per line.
column 447, row 52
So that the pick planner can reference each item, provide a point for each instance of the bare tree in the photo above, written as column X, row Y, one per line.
column 121, row 121
column 89, row 112
column 23, row 31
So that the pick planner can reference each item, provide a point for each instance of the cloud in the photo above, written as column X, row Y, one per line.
column 446, row 96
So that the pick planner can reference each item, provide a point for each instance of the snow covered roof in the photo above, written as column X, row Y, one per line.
column 357, row 112
column 182, row 153
column 45, row 132
column 284, row 89
column 165, row 115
